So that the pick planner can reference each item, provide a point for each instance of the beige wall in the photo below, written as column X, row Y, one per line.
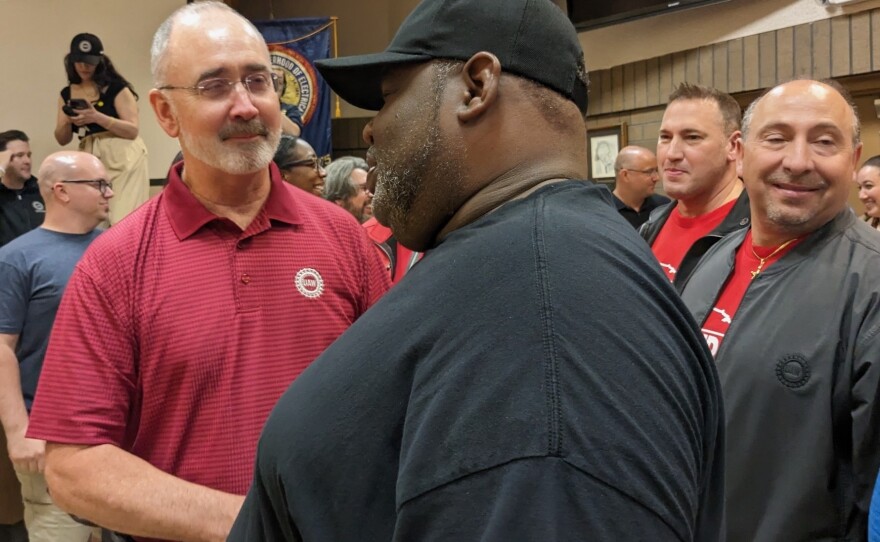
column 35, row 37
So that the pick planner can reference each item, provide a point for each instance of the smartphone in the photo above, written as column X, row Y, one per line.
column 78, row 103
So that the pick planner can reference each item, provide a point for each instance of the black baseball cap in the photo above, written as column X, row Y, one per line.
column 531, row 38
column 86, row 48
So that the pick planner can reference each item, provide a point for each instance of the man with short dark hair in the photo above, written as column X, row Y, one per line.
column 346, row 186
column 35, row 268
column 184, row 323
column 790, row 309
column 636, row 175
column 21, row 206
column 697, row 152
column 490, row 395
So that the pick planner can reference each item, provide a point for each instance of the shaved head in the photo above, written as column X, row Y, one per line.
column 63, row 166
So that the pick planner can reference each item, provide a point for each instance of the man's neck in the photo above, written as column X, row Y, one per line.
column 71, row 224
column 13, row 183
column 631, row 201
column 725, row 192
column 496, row 194
column 236, row 197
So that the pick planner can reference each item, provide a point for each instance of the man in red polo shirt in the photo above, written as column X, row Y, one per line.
column 182, row 327
column 697, row 153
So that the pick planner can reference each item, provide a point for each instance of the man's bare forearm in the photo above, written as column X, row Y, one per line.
column 13, row 414
column 122, row 492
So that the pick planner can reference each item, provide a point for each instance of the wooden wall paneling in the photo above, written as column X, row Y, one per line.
column 707, row 66
column 617, row 88
column 767, row 59
column 692, row 65
column 784, row 55
column 735, row 68
column 640, row 84
column 667, row 78
column 679, row 71
column 840, row 47
column 821, row 49
column 607, row 92
column 860, row 31
column 629, row 87
column 595, row 93
column 803, row 50
column 652, row 82
column 875, row 40
column 720, row 66
column 751, row 63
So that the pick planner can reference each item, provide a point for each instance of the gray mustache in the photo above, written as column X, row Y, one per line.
column 252, row 127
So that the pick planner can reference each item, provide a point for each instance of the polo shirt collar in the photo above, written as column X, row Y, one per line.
column 621, row 206
column 187, row 214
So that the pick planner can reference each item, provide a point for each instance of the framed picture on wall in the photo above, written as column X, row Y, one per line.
column 603, row 144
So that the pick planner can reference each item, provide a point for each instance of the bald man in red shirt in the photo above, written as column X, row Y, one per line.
column 185, row 323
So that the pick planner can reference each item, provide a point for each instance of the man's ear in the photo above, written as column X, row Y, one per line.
column 482, row 75
column 164, row 114
column 734, row 146
column 60, row 191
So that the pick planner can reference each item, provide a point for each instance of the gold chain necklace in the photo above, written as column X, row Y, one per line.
column 757, row 271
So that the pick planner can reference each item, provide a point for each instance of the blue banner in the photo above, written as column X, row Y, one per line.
column 294, row 45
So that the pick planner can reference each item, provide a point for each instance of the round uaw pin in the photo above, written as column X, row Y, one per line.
column 793, row 371
column 309, row 283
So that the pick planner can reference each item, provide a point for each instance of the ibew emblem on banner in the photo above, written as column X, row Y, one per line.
column 299, row 89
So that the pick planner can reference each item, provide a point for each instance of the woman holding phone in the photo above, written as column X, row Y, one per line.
column 100, row 106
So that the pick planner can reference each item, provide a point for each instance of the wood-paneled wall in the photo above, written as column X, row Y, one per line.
column 837, row 47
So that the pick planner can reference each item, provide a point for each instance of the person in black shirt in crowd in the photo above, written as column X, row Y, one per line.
column 636, row 175
column 100, row 106
column 21, row 206
column 534, row 376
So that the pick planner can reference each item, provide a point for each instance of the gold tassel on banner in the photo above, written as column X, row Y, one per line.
column 338, row 113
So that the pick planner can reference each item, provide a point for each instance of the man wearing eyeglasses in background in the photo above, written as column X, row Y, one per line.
column 21, row 207
column 183, row 324
column 636, row 174
column 35, row 268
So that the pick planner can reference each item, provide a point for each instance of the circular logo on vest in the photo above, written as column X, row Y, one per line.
column 299, row 89
column 38, row 207
column 309, row 283
column 793, row 371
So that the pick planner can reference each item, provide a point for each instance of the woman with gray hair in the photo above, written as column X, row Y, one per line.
column 346, row 186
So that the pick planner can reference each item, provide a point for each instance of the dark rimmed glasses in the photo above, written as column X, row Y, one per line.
column 313, row 163
column 649, row 171
column 219, row 88
column 100, row 184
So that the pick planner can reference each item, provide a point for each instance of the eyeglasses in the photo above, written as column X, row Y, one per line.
column 102, row 185
column 257, row 84
column 310, row 162
column 649, row 171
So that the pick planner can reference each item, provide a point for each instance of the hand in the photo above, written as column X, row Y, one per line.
column 5, row 159
column 26, row 454
column 89, row 115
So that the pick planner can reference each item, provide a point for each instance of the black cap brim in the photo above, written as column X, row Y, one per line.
column 358, row 79
column 94, row 60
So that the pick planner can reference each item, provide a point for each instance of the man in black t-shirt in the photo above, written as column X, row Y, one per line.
column 21, row 206
column 534, row 377
column 636, row 175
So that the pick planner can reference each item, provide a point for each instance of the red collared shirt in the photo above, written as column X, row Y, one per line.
column 179, row 331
